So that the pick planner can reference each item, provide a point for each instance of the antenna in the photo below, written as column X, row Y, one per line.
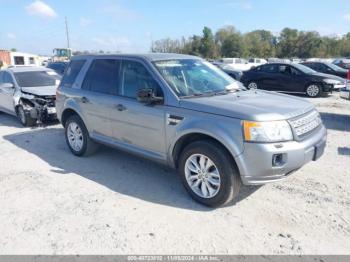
column 67, row 33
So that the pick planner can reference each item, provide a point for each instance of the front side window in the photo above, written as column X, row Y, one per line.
column 191, row 77
column 134, row 76
column 269, row 68
column 102, row 76
column 36, row 78
column 72, row 72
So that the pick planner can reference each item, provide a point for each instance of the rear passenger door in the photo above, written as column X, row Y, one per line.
column 139, row 126
column 268, row 77
column 97, row 94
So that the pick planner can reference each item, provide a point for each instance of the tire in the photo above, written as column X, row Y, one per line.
column 25, row 118
column 253, row 85
column 226, row 182
column 313, row 90
column 75, row 130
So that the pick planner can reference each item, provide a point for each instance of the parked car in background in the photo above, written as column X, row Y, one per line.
column 345, row 92
column 291, row 78
column 256, row 62
column 184, row 112
column 278, row 60
column 344, row 63
column 29, row 93
column 236, row 63
column 58, row 67
column 235, row 74
column 296, row 60
column 327, row 68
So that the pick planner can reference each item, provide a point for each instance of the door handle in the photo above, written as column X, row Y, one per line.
column 84, row 100
column 120, row 107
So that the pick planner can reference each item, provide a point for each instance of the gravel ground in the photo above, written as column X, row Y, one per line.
column 113, row 203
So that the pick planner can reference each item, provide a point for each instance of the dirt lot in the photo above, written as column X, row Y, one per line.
column 114, row 203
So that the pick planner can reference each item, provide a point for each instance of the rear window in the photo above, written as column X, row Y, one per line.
column 102, row 76
column 37, row 78
column 72, row 72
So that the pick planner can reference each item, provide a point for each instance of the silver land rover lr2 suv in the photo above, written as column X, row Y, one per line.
column 184, row 112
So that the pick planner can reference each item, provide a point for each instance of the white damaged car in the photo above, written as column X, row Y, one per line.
column 29, row 93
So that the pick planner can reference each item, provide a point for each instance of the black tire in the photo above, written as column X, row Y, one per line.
column 314, row 94
column 25, row 118
column 230, row 181
column 89, row 146
column 253, row 83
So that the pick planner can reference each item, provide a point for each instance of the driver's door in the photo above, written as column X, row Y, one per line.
column 137, row 125
column 6, row 93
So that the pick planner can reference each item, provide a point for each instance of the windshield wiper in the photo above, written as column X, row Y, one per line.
column 199, row 95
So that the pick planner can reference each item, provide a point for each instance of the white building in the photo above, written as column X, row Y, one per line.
column 25, row 59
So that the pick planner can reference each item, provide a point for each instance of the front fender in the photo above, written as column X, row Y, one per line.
column 226, row 131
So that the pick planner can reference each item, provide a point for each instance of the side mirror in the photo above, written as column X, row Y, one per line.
column 7, row 85
column 147, row 96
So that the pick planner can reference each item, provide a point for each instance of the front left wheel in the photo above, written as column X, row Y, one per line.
column 313, row 90
column 208, row 173
column 24, row 117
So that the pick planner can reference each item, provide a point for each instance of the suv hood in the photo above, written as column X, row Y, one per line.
column 250, row 105
column 40, row 90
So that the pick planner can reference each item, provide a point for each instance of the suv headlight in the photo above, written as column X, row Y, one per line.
column 331, row 81
column 274, row 131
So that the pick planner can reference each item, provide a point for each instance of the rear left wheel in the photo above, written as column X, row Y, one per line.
column 253, row 85
column 78, row 138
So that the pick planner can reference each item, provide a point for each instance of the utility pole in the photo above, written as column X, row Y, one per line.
column 67, row 33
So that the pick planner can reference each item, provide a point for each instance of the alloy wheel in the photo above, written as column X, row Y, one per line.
column 202, row 176
column 75, row 136
column 313, row 90
column 253, row 85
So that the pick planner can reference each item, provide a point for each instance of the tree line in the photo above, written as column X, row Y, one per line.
column 229, row 42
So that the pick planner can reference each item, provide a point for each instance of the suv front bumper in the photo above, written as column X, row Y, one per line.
column 256, row 162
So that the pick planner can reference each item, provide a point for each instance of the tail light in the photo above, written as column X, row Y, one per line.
column 348, row 75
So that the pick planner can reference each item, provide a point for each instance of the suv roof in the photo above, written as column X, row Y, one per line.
column 149, row 56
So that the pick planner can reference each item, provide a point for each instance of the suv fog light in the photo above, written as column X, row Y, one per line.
column 278, row 159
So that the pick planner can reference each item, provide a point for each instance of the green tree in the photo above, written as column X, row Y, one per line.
column 287, row 45
column 260, row 43
column 232, row 46
column 208, row 47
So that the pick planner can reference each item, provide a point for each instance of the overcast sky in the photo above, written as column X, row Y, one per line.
column 130, row 25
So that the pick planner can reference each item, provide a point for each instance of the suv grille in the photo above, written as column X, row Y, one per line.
column 306, row 123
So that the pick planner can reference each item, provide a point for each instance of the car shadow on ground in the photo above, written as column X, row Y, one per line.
column 334, row 121
column 121, row 172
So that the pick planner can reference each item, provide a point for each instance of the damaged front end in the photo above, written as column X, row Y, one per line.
column 41, row 108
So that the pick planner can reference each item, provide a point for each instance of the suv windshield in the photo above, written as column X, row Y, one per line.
column 189, row 77
column 37, row 78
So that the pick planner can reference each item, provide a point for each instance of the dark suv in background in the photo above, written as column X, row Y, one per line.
column 291, row 78
column 327, row 68
column 58, row 67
